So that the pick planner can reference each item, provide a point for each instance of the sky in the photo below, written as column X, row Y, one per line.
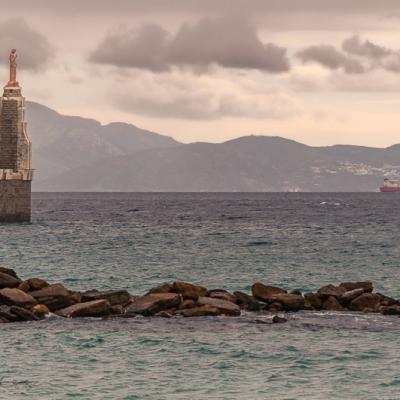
column 319, row 72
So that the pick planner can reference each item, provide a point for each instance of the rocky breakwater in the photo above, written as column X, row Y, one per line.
column 33, row 299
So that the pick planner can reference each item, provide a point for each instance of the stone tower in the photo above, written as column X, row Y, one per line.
column 15, row 153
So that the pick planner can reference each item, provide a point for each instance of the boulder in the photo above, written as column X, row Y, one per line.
column 391, row 310
column 153, row 303
column 37, row 283
column 332, row 304
column 114, row 297
column 296, row 291
column 75, row 297
column 347, row 297
column 221, row 294
column 312, row 301
column 366, row 286
column 225, row 307
column 8, row 281
column 163, row 288
column 290, row 302
column 265, row 293
column 117, row 309
column 247, row 302
column 10, row 272
column 6, row 314
column 24, row 286
column 16, row 297
column 54, row 297
column 23, row 314
column 387, row 301
column 365, row 301
column 331, row 290
column 96, row 308
column 40, row 310
column 188, row 290
column 201, row 311
column 187, row 304
column 275, row 306
column 276, row 319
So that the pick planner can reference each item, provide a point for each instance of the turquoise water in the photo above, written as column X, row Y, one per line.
column 136, row 241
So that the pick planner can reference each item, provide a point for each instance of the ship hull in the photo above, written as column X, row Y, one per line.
column 385, row 189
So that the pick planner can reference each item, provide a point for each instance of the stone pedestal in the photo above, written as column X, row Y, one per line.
column 15, row 158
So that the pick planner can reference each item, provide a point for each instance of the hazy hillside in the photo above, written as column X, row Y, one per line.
column 77, row 154
column 64, row 142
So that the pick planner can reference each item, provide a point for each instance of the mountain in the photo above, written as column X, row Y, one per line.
column 77, row 154
column 64, row 142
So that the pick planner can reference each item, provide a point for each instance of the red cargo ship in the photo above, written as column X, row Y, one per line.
column 390, row 186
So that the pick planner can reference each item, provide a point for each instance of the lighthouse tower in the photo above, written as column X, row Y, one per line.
column 15, row 152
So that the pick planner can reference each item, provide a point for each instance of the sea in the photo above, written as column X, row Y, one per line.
column 136, row 241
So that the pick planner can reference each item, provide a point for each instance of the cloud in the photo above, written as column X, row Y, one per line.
column 184, row 96
column 227, row 42
column 355, row 46
column 34, row 50
column 329, row 57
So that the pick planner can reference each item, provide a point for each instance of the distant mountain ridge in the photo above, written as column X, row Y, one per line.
column 78, row 154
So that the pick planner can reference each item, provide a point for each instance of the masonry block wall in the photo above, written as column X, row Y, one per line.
column 15, row 158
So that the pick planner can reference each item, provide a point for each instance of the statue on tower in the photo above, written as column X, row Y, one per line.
column 13, row 69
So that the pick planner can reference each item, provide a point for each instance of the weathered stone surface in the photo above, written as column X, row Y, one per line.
column 96, row 308
column 114, row 297
column 391, row 310
column 331, row 290
column 23, row 314
column 313, row 301
column 16, row 297
column 37, row 283
column 347, row 297
column 365, row 301
column 332, row 304
column 296, row 291
column 24, row 286
column 366, row 286
column 188, row 290
column 221, row 294
column 248, row 302
column 276, row 319
column 54, row 297
column 40, row 310
column 225, row 307
column 187, row 304
column 275, row 306
column 265, row 293
column 9, row 271
column 8, row 281
column 164, row 288
column 118, row 309
column 387, row 301
column 164, row 314
column 6, row 314
column 290, row 302
column 202, row 311
column 153, row 303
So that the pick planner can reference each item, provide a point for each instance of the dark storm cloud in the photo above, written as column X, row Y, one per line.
column 33, row 48
column 354, row 45
column 228, row 42
column 329, row 57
